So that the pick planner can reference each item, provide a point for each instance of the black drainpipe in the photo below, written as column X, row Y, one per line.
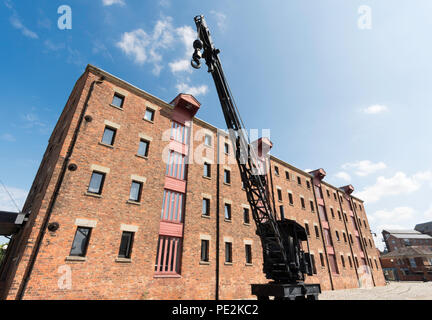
column 217, row 219
column 41, row 235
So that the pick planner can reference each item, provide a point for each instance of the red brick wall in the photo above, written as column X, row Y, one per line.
column 100, row 276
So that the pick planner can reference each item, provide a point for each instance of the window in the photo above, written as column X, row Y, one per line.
column 80, row 242
column 282, row 212
column 370, row 243
column 360, row 207
column 279, row 194
column 207, row 170
column 248, row 251
column 108, row 136
column 228, row 252
column 226, row 146
column 206, row 207
column 290, row 197
column 376, row 264
column 205, row 250
column 168, row 255
column 312, row 206
column 172, row 206
column 118, row 100
column 316, row 232
column 227, row 176
column 314, row 271
column 334, row 195
column 126, row 245
column 149, row 114
column 302, row 203
column 333, row 263
column 364, row 223
column 143, row 148
column 299, row 180
column 276, row 170
column 96, row 182
column 176, row 166
column 207, row 140
column 339, row 215
column 179, row 132
column 328, row 193
column 337, row 236
column 135, row 191
column 307, row 229
column 332, row 212
column 287, row 175
column 412, row 262
column 343, row 261
column 322, row 260
column 351, row 238
column 344, row 236
column 246, row 215
column 356, row 262
column 227, row 211
column 308, row 184
column 350, row 262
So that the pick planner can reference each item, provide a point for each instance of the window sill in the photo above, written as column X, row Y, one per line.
column 120, row 108
column 246, row 224
column 205, row 177
column 291, row 204
column 94, row 195
column 76, row 258
column 205, row 263
column 205, row 216
column 140, row 156
column 123, row 260
column 151, row 121
column 167, row 276
column 133, row 202
column 228, row 263
column 228, row 220
column 249, row 264
column 106, row 145
column 227, row 184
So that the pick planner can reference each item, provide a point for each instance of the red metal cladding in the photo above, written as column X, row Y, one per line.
column 171, row 229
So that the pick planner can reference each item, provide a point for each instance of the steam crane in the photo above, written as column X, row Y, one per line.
column 285, row 263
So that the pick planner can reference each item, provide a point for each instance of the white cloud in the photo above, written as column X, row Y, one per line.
column 19, row 196
column 375, row 109
column 187, row 36
column 343, row 176
column 144, row 47
column 400, row 183
column 54, row 46
column 164, row 3
column 111, row 2
column 396, row 218
column 18, row 24
column 180, row 65
column 220, row 19
column 195, row 91
column 7, row 137
column 364, row 167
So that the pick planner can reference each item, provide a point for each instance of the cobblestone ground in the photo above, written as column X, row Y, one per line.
column 392, row 291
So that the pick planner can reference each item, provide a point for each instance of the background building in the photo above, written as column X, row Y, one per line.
column 396, row 239
column 408, row 264
column 108, row 218
column 425, row 228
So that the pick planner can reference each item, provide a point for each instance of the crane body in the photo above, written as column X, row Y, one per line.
column 285, row 263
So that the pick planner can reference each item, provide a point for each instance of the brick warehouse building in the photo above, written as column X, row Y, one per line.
column 108, row 219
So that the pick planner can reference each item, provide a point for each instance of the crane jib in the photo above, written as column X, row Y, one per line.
column 284, row 261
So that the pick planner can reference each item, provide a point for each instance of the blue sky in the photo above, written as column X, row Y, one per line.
column 335, row 94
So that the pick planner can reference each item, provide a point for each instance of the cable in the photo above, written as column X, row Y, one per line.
column 10, row 196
